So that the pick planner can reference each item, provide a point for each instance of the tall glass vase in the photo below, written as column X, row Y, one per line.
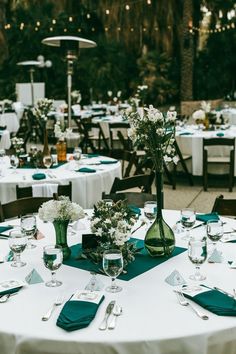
column 61, row 236
column 159, row 239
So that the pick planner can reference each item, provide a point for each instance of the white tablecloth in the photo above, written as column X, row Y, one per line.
column 152, row 321
column 87, row 188
column 11, row 121
column 5, row 141
column 193, row 145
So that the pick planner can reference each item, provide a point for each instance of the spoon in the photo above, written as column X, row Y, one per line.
column 4, row 298
column 117, row 311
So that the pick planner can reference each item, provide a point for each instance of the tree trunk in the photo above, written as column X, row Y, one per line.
column 187, row 53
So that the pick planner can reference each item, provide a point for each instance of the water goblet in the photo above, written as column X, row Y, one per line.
column 188, row 219
column 47, row 161
column 109, row 202
column 77, row 153
column 215, row 232
column 52, row 258
column 14, row 161
column 29, row 227
column 113, row 265
column 150, row 210
column 197, row 253
column 17, row 244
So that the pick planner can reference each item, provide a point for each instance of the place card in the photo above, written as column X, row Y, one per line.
column 215, row 257
column 88, row 296
column 175, row 278
column 34, row 277
column 10, row 285
column 94, row 284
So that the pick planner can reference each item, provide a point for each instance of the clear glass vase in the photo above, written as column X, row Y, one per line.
column 61, row 237
column 159, row 239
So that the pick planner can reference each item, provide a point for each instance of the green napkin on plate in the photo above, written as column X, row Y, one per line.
column 107, row 162
column 86, row 169
column 207, row 217
column 216, row 302
column 77, row 314
column 39, row 176
column 5, row 228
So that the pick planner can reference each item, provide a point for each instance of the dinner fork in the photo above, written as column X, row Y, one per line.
column 184, row 302
column 59, row 300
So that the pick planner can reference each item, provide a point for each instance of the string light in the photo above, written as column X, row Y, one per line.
column 88, row 16
column 127, row 7
column 38, row 23
column 131, row 29
column 107, row 11
column 51, row 29
column 65, row 29
column 36, row 29
column 70, row 19
column 149, row 2
column 54, row 21
column 106, row 29
column 118, row 28
column 22, row 26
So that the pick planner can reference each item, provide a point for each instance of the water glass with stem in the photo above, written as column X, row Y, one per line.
column 47, row 161
column 197, row 253
column 29, row 227
column 113, row 266
column 215, row 232
column 150, row 211
column 77, row 154
column 14, row 161
column 53, row 257
column 188, row 219
column 17, row 244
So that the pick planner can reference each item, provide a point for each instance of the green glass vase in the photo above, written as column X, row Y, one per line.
column 160, row 239
column 61, row 236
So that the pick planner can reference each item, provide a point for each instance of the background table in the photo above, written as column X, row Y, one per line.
column 5, row 141
column 87, row 188
column 11, row 121
column 152, row 320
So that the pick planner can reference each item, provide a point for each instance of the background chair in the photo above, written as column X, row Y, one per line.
column 229, row 160
column 144, row 182
column 121, row 128
column 182, row 162
column 21, row 207
column 128, row 160
column 225, row 207
column 136, row 198
column 23, row 192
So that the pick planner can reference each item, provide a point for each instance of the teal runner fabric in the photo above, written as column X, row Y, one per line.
column 5, row 228
column 143, row 261
column 207, row 217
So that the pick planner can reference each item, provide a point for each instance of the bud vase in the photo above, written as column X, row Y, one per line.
column 61, row 237
column 160, row 239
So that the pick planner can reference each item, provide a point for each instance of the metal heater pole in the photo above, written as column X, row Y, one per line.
column 32, row 85
column 69, row 86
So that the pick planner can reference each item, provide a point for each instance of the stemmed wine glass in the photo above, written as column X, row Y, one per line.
column 150, row 210
column 215, row 232
column 188, row 219
column 77, row 153
column 14, row 161
column 47, row 161
column 53, row 257
column 29, row 227
column 113, row 266
column 17, row 243
column 197, row 253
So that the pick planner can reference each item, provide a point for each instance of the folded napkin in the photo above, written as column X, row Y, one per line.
column 107, row 162
column 92, row 155
column 134, row 209
column 214, row 301
column 39, row 176
column 10, row 287
column 207, row 217
column 86, row 169
column 186, row 133
column 5, row 228
column 79, row 311
column 220, row 134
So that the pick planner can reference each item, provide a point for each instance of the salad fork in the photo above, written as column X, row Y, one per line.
column 183, row 301
column 59, row 300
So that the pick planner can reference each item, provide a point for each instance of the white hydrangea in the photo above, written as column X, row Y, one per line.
column 62, row 209
column 199, row 114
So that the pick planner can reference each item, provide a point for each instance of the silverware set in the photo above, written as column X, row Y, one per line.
column 184, row 302
column 113, row 310
column 58, row 301
column 4, row 298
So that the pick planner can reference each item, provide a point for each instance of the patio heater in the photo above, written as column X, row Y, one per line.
column 70, row 46
column 31, row 64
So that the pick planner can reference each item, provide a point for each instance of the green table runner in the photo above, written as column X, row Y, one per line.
column 143, row 261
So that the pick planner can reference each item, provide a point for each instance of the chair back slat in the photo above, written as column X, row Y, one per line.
column 144, row 182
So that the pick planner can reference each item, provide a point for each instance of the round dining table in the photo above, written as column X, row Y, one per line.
column 152, row 320
column 96, row 176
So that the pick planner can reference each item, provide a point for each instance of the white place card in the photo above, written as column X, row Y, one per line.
column 88, row 296
column 10, row 285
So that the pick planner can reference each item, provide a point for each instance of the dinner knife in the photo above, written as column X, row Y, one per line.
column 108, row 312
column 224, row 292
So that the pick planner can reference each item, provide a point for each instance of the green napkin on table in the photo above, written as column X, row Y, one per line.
column 134, row 209
column 220, row 134
column 86, row 169
column 5, row 228
column 77, row 314
column 107, row 162
column 91, row 155
column 207, row 217
column 186, row 133
column 39, row 176
column 216, row 302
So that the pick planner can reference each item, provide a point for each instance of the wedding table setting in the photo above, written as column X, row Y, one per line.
column 147, row 303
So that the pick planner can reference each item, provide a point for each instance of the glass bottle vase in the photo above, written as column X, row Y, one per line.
column 61, row 236
column 160, row 239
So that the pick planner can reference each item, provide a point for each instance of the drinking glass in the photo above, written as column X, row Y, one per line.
column 53, row 257
column 77, row 153
column 2, row 161
column 29, row 227
column 188, row 218
column 113, row 266
column 47, row 161
column 215, row 231
column 150, row 210
column 14, row 161
column 17, row 243
column 197, row 253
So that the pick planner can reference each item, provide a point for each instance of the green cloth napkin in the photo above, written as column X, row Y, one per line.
column 5, row 228
column 39, row 176
column 77, row 314
column 220, row 134
column 107, row 162
column 216, row 302
column 91, row 155
column 207, row 217
column 86, row 169
column 10, row 291
column 186, row 133
column 135, row 209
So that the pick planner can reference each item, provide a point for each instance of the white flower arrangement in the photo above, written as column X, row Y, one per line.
column 155, row 131
column 206, row 106
column 76, row 96
column 62, row 135
column 18, row 144
column 61, row 209
column 199, row 115
column 42, row 108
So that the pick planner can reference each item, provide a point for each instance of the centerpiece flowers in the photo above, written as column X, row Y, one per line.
column 42, row 108
column 60, row 212
column 17, row 144
column 156, row 132
column 201, row 116
column 112, row 226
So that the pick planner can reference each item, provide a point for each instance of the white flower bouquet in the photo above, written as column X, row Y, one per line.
column 42, row 108
column 18, row 144
column 61, row 209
